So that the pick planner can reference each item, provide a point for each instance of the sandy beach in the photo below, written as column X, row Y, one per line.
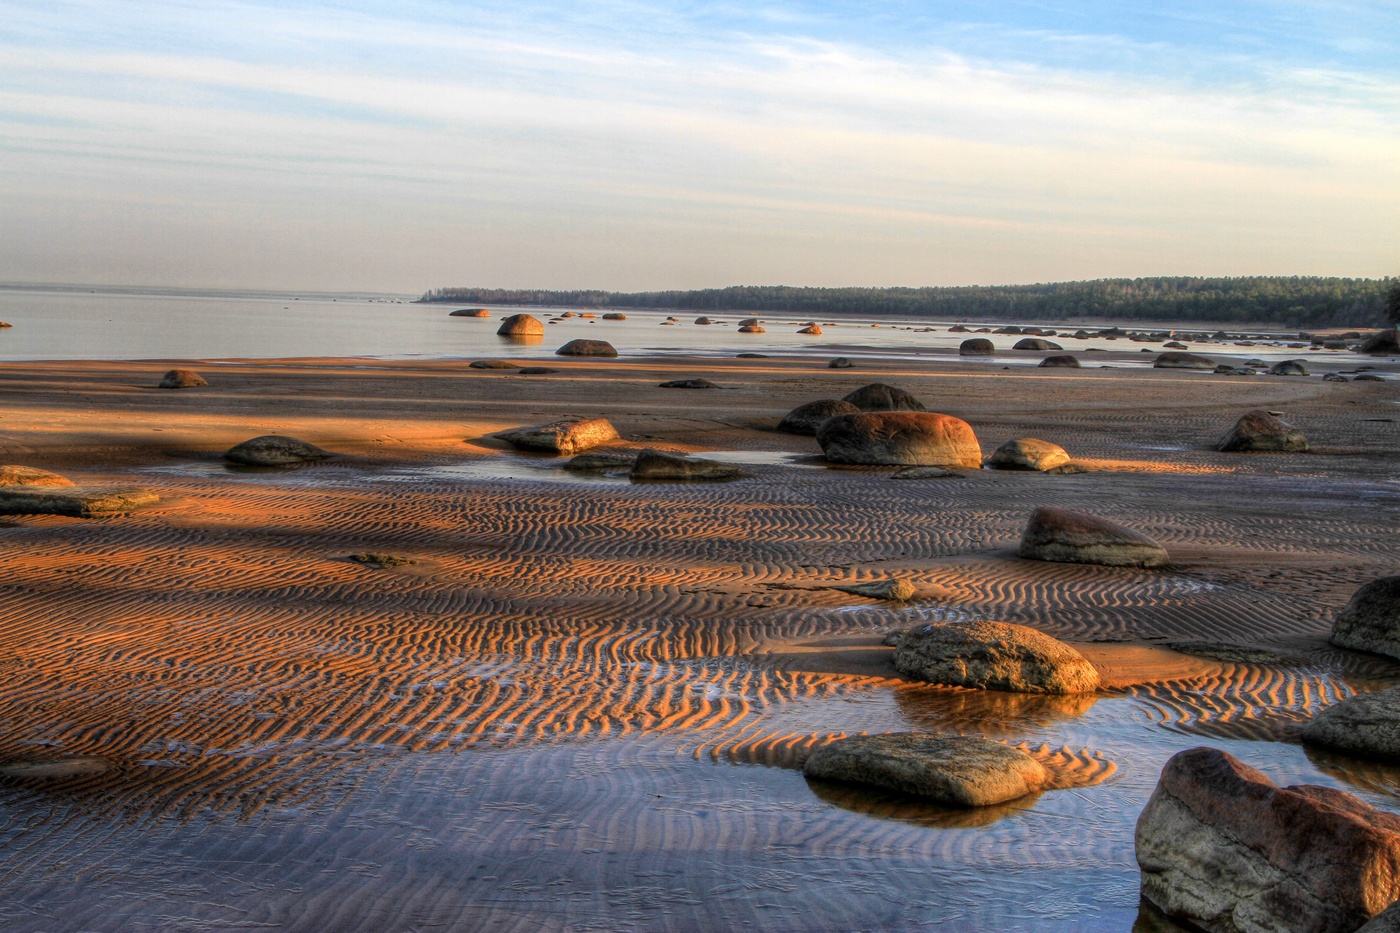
column 583, row 703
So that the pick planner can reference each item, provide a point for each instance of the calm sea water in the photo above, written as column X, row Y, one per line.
column 96, row 323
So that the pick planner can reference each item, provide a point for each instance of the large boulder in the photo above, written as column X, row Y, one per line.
column 566, row 436
column 182, row 379
column 654, row 466
column 521, row 325
column 879, row 397
column 953, row 770
column 275, row 450
column 1175, row 359
column 1383, row 342
column 1035, row 343
column 73, row 501
column 15, row 475
column 977, row 346
column 1365, row 726
column 1063, row 360
column 470, row 312
column 1028, row 453
column 900, row 438
column 584, row 347
column 1225, row 849
column 993, row 656
column 1289, row 368
column 1259, row 430
column 805, row 419
column 1371, row 620
column 1064, row 535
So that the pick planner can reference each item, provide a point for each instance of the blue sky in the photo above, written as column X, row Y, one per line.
column 637, row 145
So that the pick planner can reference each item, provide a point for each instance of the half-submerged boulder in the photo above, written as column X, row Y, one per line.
column 1370, row 621
column 689, row 384
column 900, row 438
column 182, row 379
column 805, row 419
column 1175, row 359
column 993, row 656
column 584, row 347
column 654, row 466
column 470, row 312
column 879, row 397
column 1364, row 726
column 565, row 436
column 752, row 329
column 1036, row 343
column 73, row 501
column 275, row 450
column 1028, row 453
column 15, row 475
column 1225, row 849
column 1067, row 536
column 977, row 346
column 703, row 321
column 614, row 316
column 813, row 329
column 1259, row 430
column 952, row 770
column 1063, row 360
column 521, row 325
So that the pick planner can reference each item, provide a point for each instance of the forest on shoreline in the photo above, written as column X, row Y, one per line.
column 1294, row 301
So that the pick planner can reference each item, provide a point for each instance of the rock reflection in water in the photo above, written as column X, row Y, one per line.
column 885, row 805
column 1374, row 776
column 993, row 712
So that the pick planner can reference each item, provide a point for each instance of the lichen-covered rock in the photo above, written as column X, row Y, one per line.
column 566, row 436
column 1028, row 453
column 654, row 466
column 977, row 346
column 1365, row 726
column 1225, row 849
column 953, row 770
column 1259, row 430
column 1371, row 620
column 15, row 475
column 899, row 438
column 994, row 656
column 805, row 419
column 182, row 379
column 1175, row 359
column 879, row 397
column 275, row 450
column 521, row 325
column 584, row 347
column 1064, row 535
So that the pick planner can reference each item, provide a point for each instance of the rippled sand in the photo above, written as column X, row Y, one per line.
column 585, row 704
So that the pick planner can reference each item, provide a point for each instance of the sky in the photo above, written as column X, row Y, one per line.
column 637, row 145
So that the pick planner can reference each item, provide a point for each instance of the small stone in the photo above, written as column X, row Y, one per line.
column 840, row 363
column 1260, row 430
column 925, row 472
column 1175, row 359
column 493, row 364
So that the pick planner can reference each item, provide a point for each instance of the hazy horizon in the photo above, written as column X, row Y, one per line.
column 635, row 146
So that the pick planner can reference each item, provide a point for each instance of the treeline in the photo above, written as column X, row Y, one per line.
column 1295, row 301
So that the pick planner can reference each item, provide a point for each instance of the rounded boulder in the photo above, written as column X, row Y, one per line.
column 994, row 656
column 1067, row 536
column 900, row 438
column 805, row 419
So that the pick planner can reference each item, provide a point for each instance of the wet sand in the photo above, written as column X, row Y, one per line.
column 584, row 704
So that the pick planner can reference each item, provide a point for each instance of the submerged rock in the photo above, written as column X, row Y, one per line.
column 275, row 450
column 1364, row 726
column 879, row 397
column 977, row 346
column 805, row 419
column 603, row 461
column 1225, row 849
column 15, row 475
column 1064, row 535
column 653, row 466
column 896, row 590
column 1028, row 453
column 900, row 438
column 73, row 501
column 752, row 329
column 954, row 770
column 521, row 325
column 566, row 436
column 182, row 379
column 584, row 347
column 493, row 364
column 1175, row 359
column 1259, row 430
column 993, row 656
column 1371, row 620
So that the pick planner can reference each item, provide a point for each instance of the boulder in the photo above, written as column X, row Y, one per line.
column 603, row 461
column 1384, row 343
column 1064, row 360
column 73, row 501
column 1009, row 329
column 751, row 329
column 583, row 347
column 1334, row 377
column 1174, row 345
column 805, row 419
column 750, row 322
column 537, row 371
column 493, row 364
column 900, row 438
column 1387, row 921
column 614, row 316
column 1175, row 359
column 1289, row 368
column 751, row 356
column 654, row 466
column 275, row 450
column 689, row 384
column 993, row 656
column 1035, row 343
column 182, row 379
column 956, row 771
column 1369, row 377
column 1365, row 726
column 470, row 312
column 15, row 475
column 879, row 397
column 1027, row 453
column 521, row 325
column 1371, row 620
column 566, row 436
column 1225, row 849
column 895, row 590
column 977, row 346
column 840, row 363
column 1259, row 430
column 1068, row 536
column 813, row 329
column 958, row 329
column 703, row 321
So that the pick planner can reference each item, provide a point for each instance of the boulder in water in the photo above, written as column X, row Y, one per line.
column 1175, row 359
column 182, row 379
column 603, row 461
column 840, row 363
column 977, row 346
column 1381, row 343
column 275, row 450
column 521, row 325
column 703, row 321
column 751, row 329
column 813, row 329
column 1259, row 430
column 953, row 770
column 614, row 316
column 1036, row 343
column 805, row 419
column 654, row 466
column 493, row 364
column 879, row 397
column 584, row 347
column 1028, row 453
column 1067, row 536
column 1289, row 368
column 1064, row 360
column 993, row 656
column 15, row 475
column 900, row 438
column 1364, row 726
column 566, row 436
column 470, row 312
column 750, row 322
column 1371, row 620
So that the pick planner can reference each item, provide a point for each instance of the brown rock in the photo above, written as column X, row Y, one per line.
column 813, row 329
column 955, row 770
column 614, row 316
column 895, row 590
column 689, row 384
column 521, row 325
column 1175, row 359
column 703, row 321
column 73, row 501
column 1225, row 849
column 805, row 419
column 493, row 364
column 900, row 438
column 1036, row 343
column 654, row 466
column 566, row 436
column 840, row 363
column 582, row 347
column 751, row 329
column 1259, row 430
column 14, row 475
column 470, row 312
column 275, row 450
column 1384, row 343
column 182, row 379
column 880, row 397
column 1068, row 536
column 1370, row 621
column 993, row 656
column 977, row 346
column 1364, row 726
column 1065, row 360
column 1028, row 453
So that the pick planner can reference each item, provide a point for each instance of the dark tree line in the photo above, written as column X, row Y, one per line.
column 1296, row 301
